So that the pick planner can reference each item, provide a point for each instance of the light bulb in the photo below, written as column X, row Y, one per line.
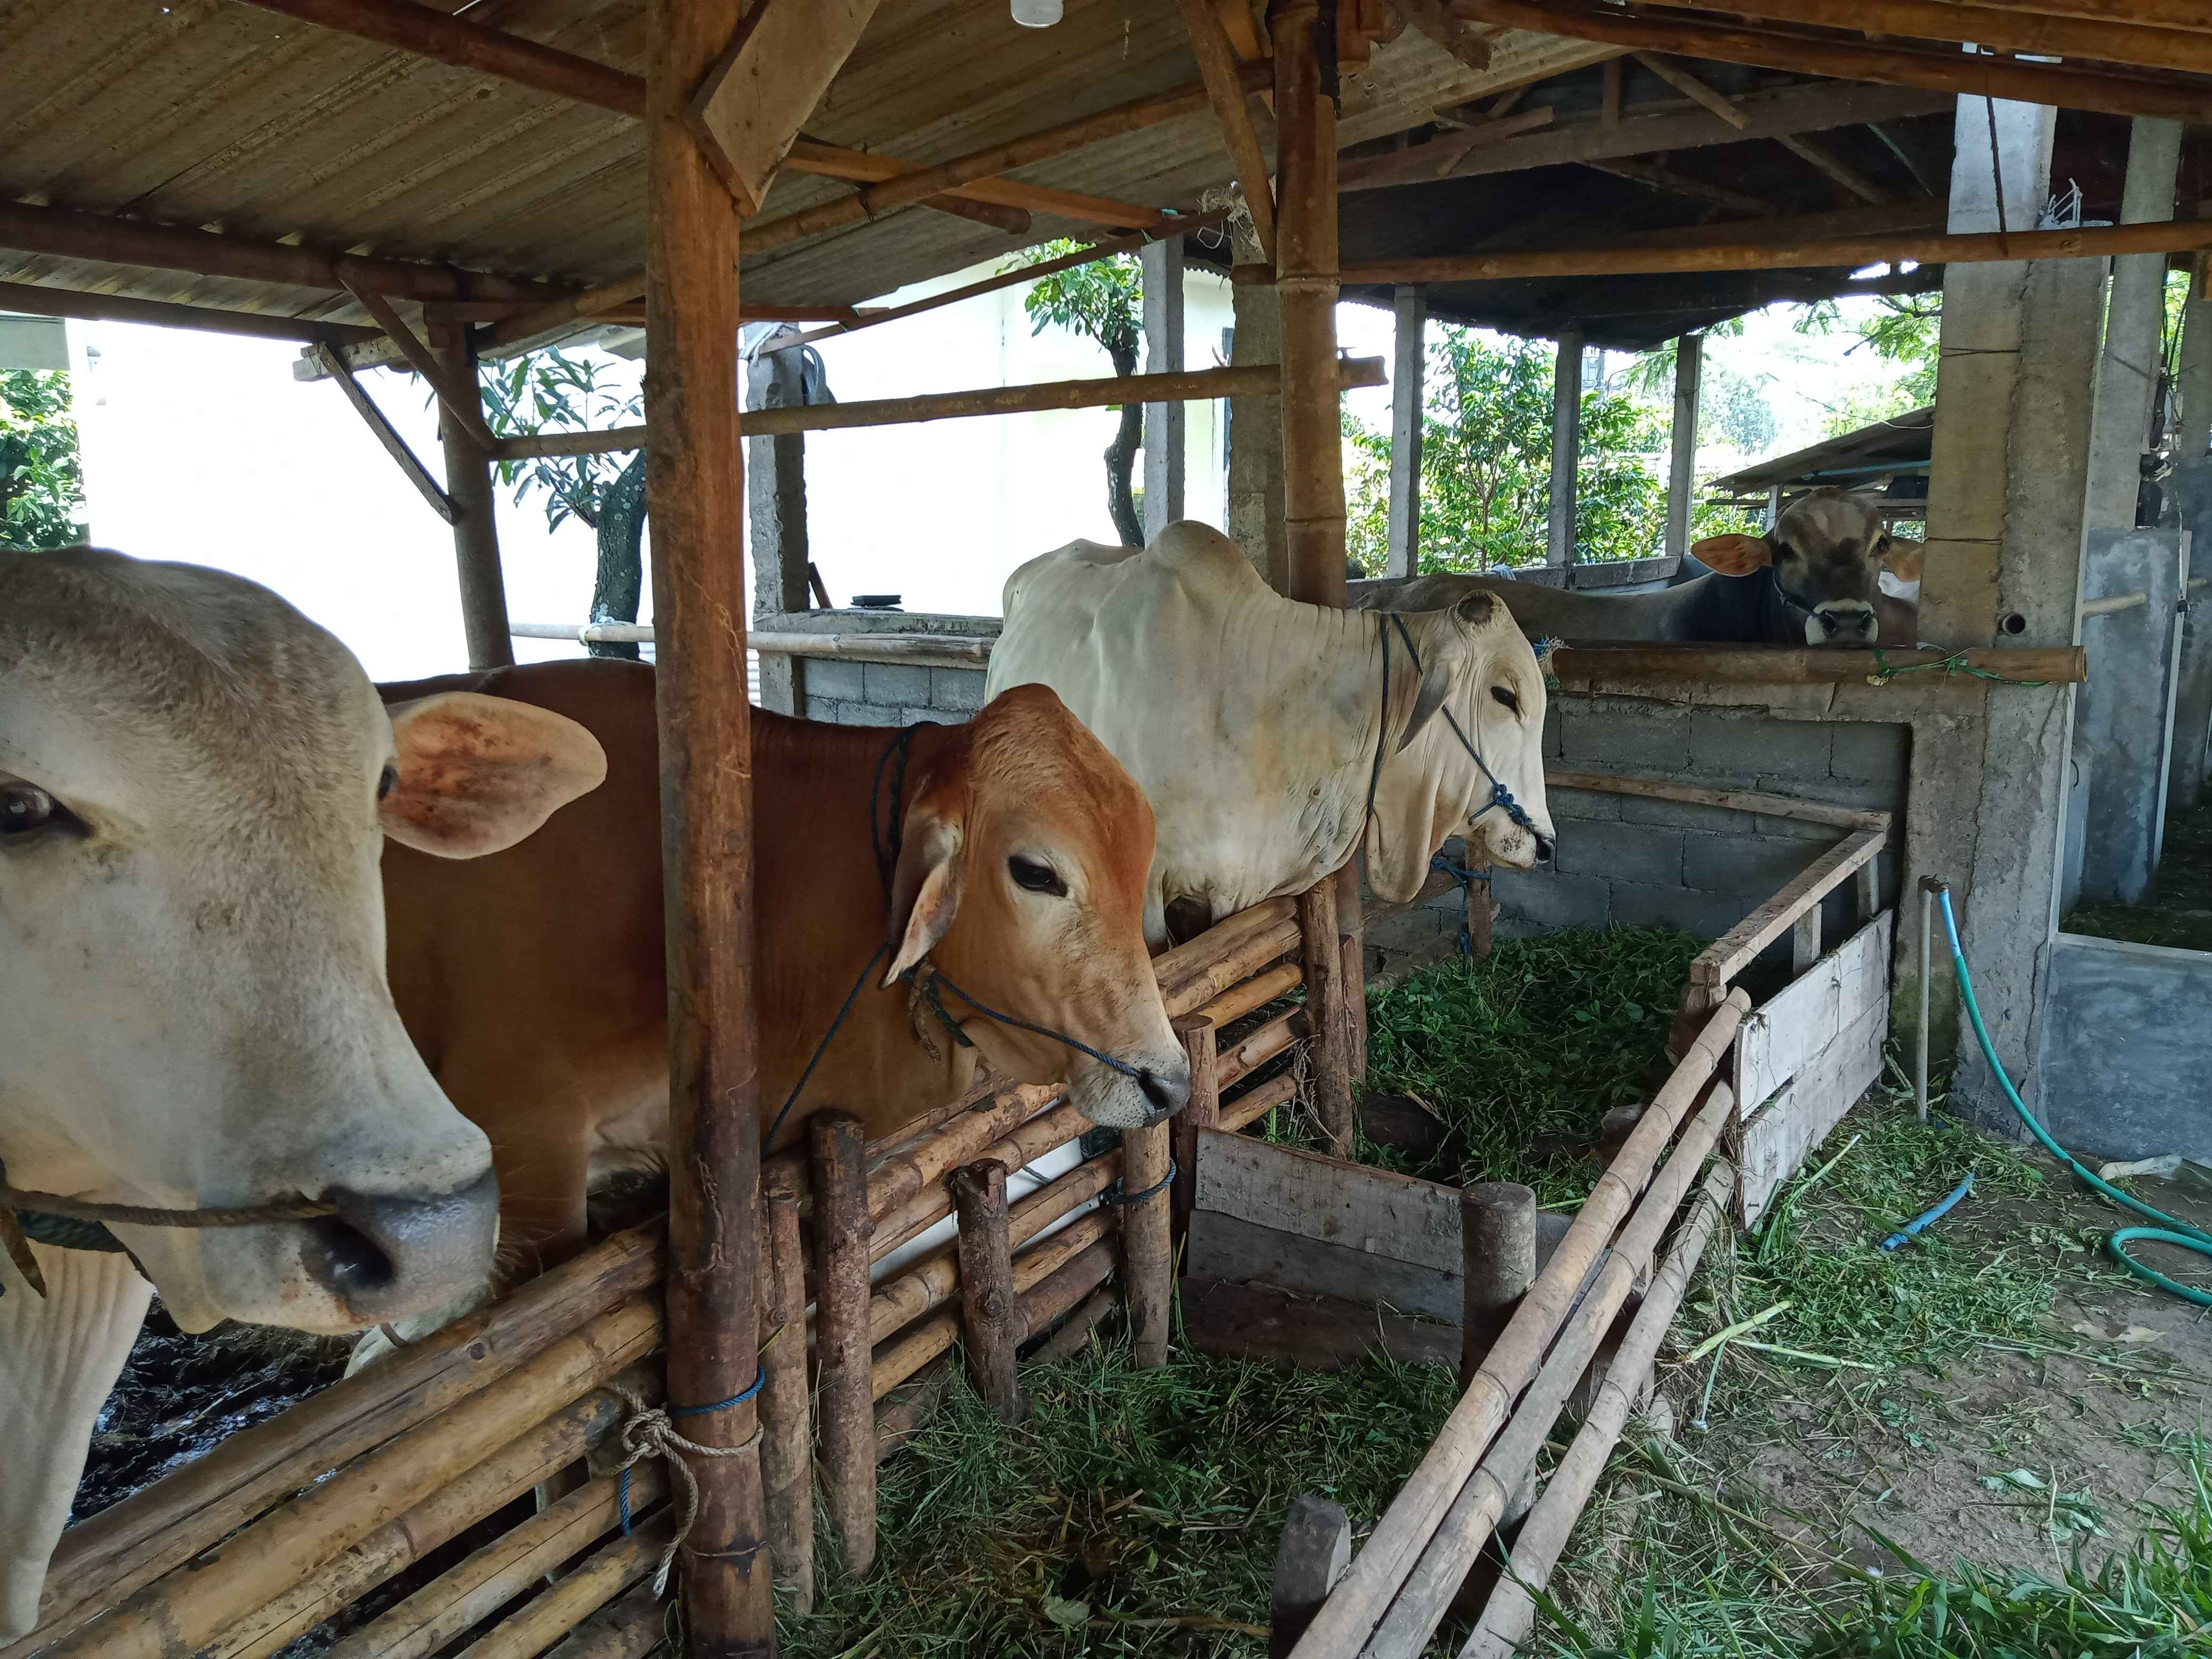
column 1036, row 13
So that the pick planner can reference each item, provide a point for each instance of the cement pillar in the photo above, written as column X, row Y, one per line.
column 2193, row 386
column 2006, row 488
column 2191, row 491
column 1411, row 308
column 1682, row 456
column 776, row 513
column 1566, row 445
column 2127, row 372
column 1256, row 425
column 1162, row 261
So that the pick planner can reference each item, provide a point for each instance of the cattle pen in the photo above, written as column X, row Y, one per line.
column 394, row 183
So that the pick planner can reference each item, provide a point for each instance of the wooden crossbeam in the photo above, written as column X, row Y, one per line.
column 334, row 365
column 1226, row 89
column 1694, row 89
column 751, row 107
column 1696, row 190
column 1894, row 63
column 462, row 401
column 873, row 167
column 1826, row 161
column 36, row 300
column 1435, row 20
column 2113, row 39
column 1439, row 157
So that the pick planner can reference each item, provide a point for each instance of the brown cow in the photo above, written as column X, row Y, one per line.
column 532, row 980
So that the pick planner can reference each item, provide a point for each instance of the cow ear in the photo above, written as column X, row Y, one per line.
column 1735, row 556
column 925, row 891
column 1902, row 560
column 1446, row 649
column 475, row 774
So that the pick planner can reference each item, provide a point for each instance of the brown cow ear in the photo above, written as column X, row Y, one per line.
column 476, row 774
column 926, row 892
column 1735, row 556
column 1903, row 559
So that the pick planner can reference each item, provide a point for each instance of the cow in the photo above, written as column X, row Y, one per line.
column 1271, row 735
column 533, row 981
column 196, row 784
column 1814, row 579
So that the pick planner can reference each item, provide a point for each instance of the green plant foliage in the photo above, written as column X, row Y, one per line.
column 1103, row 301
column 1904, row 329
column 550, row 391
column 42, row 473
column 1486, row 460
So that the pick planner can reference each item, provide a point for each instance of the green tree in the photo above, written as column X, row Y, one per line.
column 41, row 475
column 1103, row 302
column 1487, row 459
column 1903, row 330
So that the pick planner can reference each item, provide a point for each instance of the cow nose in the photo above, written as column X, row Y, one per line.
column 1164, row 1096
column 1543, row 848
column 1852, row 623
column 386, row 1255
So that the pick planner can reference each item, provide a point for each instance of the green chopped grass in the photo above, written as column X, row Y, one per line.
column 1523, row 1054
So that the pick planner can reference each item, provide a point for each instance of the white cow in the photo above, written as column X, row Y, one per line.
column 196, row 783
column 1254, row 722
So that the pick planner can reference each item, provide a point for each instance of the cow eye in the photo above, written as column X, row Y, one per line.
column 387, row 781
column 1035, row 877
column 1506, row 697
column 25, row 810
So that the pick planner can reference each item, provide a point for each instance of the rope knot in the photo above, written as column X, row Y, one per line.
column 651, row 1432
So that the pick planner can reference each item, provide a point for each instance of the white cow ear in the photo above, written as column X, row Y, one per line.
column 476, row 774
column 1440, row 666
column 925, row 891
column 1734, row 555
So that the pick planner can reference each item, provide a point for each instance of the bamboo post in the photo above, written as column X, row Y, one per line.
column 1147, row 1242
column 1203, row 1111
column 1498, row 1243
column 844, row 1357
column 787, row 1414
column 1327, row 1052
column 476, row 533
column 988, row 1310
column 695, row 491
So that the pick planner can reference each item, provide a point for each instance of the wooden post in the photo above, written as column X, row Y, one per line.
column 786, row 1411
column 1328, row 1050
column 1164, row 425
column 1203, row 1111
column 1411, row 308
column 844, row 1354
column 476, row 533
column 1566, row 444
column 990, row 1314
column 694, row 488
column 1498, row 1244
column 1682, row 457
column 1805, row 941
column 1316, row 1549
column 1147, row 1243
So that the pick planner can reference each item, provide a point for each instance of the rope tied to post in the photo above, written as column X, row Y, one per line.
column 650, row 1431
column 1465, row 880
column 1114, row 1195
column 1956, row 662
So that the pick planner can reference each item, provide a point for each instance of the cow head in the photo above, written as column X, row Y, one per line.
column 195, row 786
column 1826, row 552
column 1476, row 665
column 1024, row 858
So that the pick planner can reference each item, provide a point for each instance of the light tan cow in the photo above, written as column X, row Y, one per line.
column 196, row 786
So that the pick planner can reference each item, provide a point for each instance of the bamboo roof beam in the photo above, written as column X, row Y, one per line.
column 2008, row 27
column 1895, row 62
column 1229, row 94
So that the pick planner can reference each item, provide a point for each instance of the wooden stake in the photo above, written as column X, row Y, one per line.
column 1328, row 1057
column 989, row 1313
column 475, row 529
column 845, row 1385
column 1203, row 1111
column 1497, row 1239
column 1147, row 1242
column 786, row 1410
column 695, row 491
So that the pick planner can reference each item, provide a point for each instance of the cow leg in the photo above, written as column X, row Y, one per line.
column 59, row 1355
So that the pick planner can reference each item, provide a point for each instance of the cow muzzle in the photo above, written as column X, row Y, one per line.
column 1113, row 1100
column 383, row 1256
column 1841, row 622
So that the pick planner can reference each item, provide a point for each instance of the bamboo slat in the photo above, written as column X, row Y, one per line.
column 628, row 1627
column 1255, row 992
column 612, row 1570
column 1254, row 1104
column 1191, row 994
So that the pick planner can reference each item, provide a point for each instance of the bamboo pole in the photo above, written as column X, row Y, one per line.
column 847, row 1405
column 1172, row 967
column 1202, row 1112
column 1599, row 667
column 1257, row 952
column 188, row 1610
column 473, row 1590
column 1259, row 1046
column 1068, row 1341
column 1395, row 1545
column 1147, row 1242
column 1256, row 1102
column 1892, row 61
column 1253, row 993
column 988, row 1309
column 1498, row 1244
column 786, row 1412
column 694, row 492
column 899, row 1179
column 1329, row 1056
column 1730, row 954
column 507, row 1474
column 909, row 1406
column 1511, row 1614
column 1069, row 1283
column 1092, row 392
column 628, row 1627
column 605, row 1575
column 1420, row 1607
column 123, row 1548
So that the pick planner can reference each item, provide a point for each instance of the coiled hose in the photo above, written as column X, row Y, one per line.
column 2166, row 1230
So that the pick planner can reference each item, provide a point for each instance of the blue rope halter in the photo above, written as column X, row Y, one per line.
column 1500, row 796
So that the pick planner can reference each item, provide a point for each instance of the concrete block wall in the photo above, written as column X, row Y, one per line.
column 889, row 694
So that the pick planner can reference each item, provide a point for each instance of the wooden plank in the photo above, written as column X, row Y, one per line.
column 1774, row 1144
column 1782, row 1036
column 1314, row 1550
column 457, row 393
column 1312, row 1333
column 1595, row 666
column 35, row 300
column 1742, row 800
column 394, row 446
column 752, row 103
column 1226, row 1247
column 1728, row 956
column 1351, row 1206
column 2120, row 35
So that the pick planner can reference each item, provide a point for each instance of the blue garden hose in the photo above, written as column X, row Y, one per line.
column 2167, row 1229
